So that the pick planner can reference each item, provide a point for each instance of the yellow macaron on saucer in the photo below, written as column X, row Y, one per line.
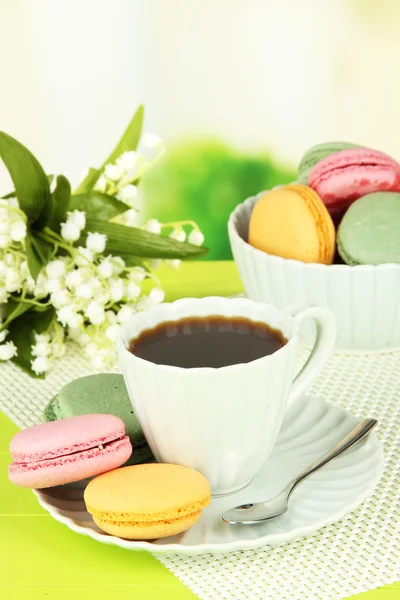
column 347, row 484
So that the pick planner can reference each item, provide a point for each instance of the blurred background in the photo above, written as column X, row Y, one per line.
column 237, row 89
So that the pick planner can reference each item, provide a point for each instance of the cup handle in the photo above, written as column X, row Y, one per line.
column 324, row 343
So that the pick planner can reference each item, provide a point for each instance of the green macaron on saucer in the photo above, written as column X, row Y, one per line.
column 103, row 393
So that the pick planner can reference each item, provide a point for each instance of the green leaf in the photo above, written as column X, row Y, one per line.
column 61, row 199
column 97, row 205
column 133, row 261
column 30, row 181
column 130, row 138
column 38, row 253
column 13, row 310
column 13, row 194
column 137, row 242
column 88, row 182
column 22, row 333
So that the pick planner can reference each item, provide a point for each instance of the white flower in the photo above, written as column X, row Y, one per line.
column 41, row 349
column 11, row 259
column 101, row 184
column 3, row 335
column 84, row 290
column 41, row 364
column 7, row 351
column 60, row 298
column 153, row 226
column 95, row 313
column 78, row 218
column 42, row 338
column 24, row 269
column 113, row 172
column 99, row 357
column 128, row 194
column 3, row 268
column 55, row 269
column 96, row 242
column 13, row 280
column 117, row 289
column 4, row 240
column 68, row 315
column 111, row 317
column 13, row 202
column 137, row 274
column 5, row 227
column 70, row 232
column 3, row 214
column 196, row 237
column 128, row 160
column 173, row 263
column 101, row 296
column 3, row 295
column 41, row 290
column 178, row 234
column 54, row 285
column 75, row 278
column 130, row 217
column 155, row 263
column 118, row 263
column 83, row 257
column 150, row 140
column 18, row 231
column 79, row 336
column 156, row 296
column 125, row 313
column 105, row 268
column 111, row 332
column 133, row 290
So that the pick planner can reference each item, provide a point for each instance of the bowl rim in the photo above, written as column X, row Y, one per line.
column 232, row 231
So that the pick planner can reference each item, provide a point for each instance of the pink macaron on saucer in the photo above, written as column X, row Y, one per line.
column 68, row 450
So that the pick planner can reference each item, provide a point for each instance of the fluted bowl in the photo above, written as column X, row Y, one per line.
column 365, row 299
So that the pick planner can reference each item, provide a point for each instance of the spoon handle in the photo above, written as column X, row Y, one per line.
column 353, row 437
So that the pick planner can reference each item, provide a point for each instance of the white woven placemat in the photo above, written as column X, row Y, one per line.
column 360, row 553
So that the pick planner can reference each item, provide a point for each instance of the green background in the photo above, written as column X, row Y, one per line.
column 203, row 180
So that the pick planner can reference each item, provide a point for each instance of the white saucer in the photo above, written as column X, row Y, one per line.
column 311, row 428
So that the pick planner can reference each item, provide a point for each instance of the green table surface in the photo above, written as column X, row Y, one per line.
column 42, row 559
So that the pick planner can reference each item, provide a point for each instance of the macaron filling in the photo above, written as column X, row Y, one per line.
column 100, row 447
column 24, row 457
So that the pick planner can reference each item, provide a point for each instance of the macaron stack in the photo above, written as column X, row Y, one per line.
column 345, row 208
column 90, row 431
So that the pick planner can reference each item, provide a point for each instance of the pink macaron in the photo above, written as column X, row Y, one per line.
column 344, row 176
column 68, row 450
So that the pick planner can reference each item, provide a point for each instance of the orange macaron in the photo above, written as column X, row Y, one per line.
column 293, row 222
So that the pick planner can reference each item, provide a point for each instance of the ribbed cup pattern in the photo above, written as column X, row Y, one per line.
column 222, row 422
column 364, row 299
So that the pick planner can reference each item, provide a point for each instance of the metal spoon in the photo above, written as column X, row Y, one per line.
column 251, row 514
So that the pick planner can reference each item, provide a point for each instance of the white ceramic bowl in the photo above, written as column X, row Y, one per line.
column 365, row 299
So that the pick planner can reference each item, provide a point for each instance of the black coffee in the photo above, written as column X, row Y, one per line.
column 207, row 342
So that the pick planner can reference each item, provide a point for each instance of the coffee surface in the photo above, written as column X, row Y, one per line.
column 207, row 342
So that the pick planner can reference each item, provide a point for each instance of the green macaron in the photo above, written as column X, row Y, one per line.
column 369, row 233
column 103, row 393
column 317, row 153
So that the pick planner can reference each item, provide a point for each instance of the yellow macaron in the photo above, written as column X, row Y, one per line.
column 293, row 222
column 149, row 501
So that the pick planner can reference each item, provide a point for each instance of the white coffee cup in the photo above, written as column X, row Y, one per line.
column 223, row 422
